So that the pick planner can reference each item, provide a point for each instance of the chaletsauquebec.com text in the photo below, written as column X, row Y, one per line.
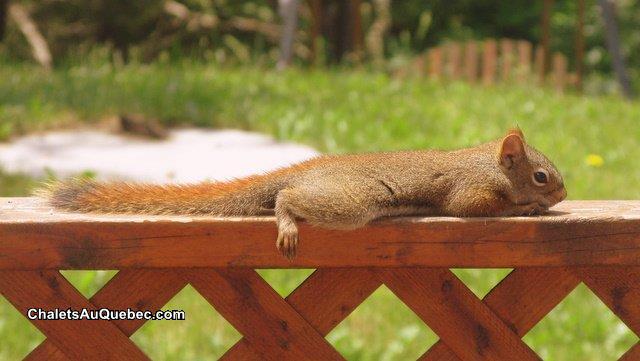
column 103, row 314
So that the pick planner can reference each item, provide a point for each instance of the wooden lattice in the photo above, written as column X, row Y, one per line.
column 597, row 243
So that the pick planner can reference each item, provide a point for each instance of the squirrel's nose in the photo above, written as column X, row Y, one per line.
column 560, row 194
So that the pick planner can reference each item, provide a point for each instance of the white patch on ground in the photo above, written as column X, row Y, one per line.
column 189, row 155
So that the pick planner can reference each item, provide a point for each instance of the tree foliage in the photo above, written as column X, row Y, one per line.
column 246, row 30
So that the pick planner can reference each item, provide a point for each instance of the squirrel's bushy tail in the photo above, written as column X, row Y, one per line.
column 246, row 196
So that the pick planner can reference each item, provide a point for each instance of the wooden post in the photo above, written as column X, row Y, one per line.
column 524, row 61
column 506, row 49
column 559, row 71
column 435, row 63
column 471, row 61
column 489, row 61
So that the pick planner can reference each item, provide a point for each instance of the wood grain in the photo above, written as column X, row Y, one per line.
column 467, row 326
column 274, row 330
column 594, row 241
column 633, row 354
column 574, row 234
column 523, row 298
column 77, row 339
column 619, row 289
column 324, row 299
column 142, row 289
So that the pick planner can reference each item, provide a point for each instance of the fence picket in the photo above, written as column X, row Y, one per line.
column 506, row 56
column 489, row 61
column 471, row 61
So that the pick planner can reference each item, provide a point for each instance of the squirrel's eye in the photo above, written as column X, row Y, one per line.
column 540, row 177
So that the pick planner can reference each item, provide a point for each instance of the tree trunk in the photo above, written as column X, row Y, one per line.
column 39, row 46
column 288, row 10
column 580, row 44
column 3, row 17
column 547, row 8
column 608, row 12
column 377, row 31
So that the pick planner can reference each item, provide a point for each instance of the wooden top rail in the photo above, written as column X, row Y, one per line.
column 574, row 233
column 595, row 242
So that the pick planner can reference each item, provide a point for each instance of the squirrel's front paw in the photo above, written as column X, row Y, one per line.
column 287, row 242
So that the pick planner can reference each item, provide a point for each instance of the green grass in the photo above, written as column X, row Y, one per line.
column 594, row 142
column 12, row 185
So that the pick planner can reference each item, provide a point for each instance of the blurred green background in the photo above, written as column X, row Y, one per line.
column 113, row 57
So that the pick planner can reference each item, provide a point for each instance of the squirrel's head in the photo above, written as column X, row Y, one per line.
column 533, row 176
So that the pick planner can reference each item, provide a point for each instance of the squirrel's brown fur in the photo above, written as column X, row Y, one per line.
column 348, row 191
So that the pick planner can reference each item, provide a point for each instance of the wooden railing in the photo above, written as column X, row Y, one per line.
column 596, row 242
column 493, row 61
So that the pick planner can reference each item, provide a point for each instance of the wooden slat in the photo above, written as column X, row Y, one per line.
column 577, row 233
column 524, row 61
column 520, row 300
column 489, row 61
column 507, row 56
column 139, row 289
column 633, row 354
column 78, row 339
column 453, row 312
column 418, row 66
column 273, row 329
column 435, row 62
column 471, row 61
column 542, row 288
column 559, row 71
column 324, row 299
column 619, row 289
column 454, row 60
column 538, row 65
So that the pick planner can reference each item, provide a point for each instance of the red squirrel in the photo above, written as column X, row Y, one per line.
column 506, row 177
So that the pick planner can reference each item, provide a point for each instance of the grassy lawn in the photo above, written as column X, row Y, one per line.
column 594, row 142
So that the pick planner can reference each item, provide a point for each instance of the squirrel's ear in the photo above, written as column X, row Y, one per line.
column 517, row 131
column 511, row 149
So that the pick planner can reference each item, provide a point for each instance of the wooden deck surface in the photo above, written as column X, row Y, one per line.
column 574, row 233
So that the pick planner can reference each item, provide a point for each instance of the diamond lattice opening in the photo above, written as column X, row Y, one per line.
column 382, row 328
column 88, row 282
column 18, row 335
column 203, row 335
column 284, row 281
column 581, row 327
column 481, row 281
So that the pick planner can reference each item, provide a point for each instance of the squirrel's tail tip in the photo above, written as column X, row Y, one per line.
column 45, row 189
column 65, row 193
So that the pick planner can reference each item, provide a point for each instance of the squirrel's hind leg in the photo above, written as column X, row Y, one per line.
column 326, row 207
